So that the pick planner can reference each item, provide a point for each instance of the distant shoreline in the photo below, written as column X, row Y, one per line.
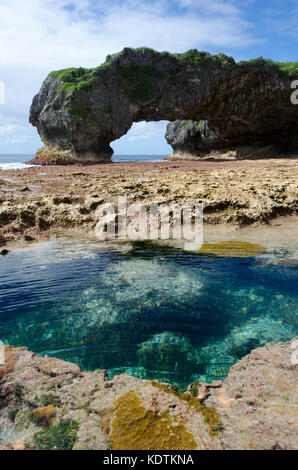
column 18, row 161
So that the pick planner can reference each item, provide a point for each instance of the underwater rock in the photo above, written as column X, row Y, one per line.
column 78, row 112
column 168, row 353
column 140, row 285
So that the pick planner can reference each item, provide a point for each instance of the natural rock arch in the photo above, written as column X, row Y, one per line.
column 78, row 112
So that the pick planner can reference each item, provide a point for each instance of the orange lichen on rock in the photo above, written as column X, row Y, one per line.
column 135, row 428
column 45, row 415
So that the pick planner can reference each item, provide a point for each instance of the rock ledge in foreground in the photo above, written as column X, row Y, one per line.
column 47, row 403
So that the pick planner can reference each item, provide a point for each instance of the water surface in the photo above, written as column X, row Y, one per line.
column 17, row 162
column 153, row 312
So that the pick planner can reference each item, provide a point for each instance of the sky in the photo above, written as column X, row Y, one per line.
column 38, row 36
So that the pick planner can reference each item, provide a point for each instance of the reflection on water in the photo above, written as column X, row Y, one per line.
column 153, row 312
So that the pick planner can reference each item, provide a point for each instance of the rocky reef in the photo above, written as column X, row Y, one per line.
column 35, row 202
column 46, row 403
column 79, row 112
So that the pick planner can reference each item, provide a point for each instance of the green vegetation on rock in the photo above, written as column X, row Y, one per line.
column 63, row 436
column 11, row 414
column 198, row 124
column 83, row 113
column 197, row 58
column 194, row 387
column 289, row 69
column 141, row 77
column 46, row 400
column 138, row 82
column 18, row 390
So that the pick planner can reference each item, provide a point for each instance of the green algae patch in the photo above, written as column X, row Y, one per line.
column 135, row 428
column 83, row 113
column 63, row 436
column 194, row 388
column 232, row 248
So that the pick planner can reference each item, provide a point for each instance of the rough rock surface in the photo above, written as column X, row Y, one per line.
column 79, row 112
column 35, row 201
column 258, row 401
column 46, row 403
column 192, row 140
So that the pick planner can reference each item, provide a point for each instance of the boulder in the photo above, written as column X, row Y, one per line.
column 192, row 139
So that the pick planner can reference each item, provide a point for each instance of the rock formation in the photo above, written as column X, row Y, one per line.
column 234, row 193
column 79, row 112
column 192, row 139
column 49, row 404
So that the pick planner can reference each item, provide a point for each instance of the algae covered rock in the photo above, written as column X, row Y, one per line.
column 78, row 112
column 255, row 407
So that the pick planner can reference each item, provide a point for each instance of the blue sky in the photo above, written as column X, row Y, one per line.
column 37, row 36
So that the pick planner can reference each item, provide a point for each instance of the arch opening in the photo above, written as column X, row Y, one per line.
column 144, row 141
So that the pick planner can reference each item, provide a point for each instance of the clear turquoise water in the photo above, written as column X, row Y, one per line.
column 152, row 312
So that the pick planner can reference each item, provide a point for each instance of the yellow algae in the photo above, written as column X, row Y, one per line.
column 210, row 415
column 167, row 388
column 45, row 415
column 232, row 248
column 135, row 428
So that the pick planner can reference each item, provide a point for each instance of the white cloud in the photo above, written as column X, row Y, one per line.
column 146, row 130
column 37, row 36
column 16, row 139
column 7, row 129
column 10, row 134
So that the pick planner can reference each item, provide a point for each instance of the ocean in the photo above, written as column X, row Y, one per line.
column 17, row 162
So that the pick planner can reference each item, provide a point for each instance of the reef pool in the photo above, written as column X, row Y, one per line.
column 151, row 311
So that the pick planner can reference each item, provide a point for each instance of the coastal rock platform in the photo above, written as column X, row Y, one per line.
column 46, row 403
column 37, row 201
